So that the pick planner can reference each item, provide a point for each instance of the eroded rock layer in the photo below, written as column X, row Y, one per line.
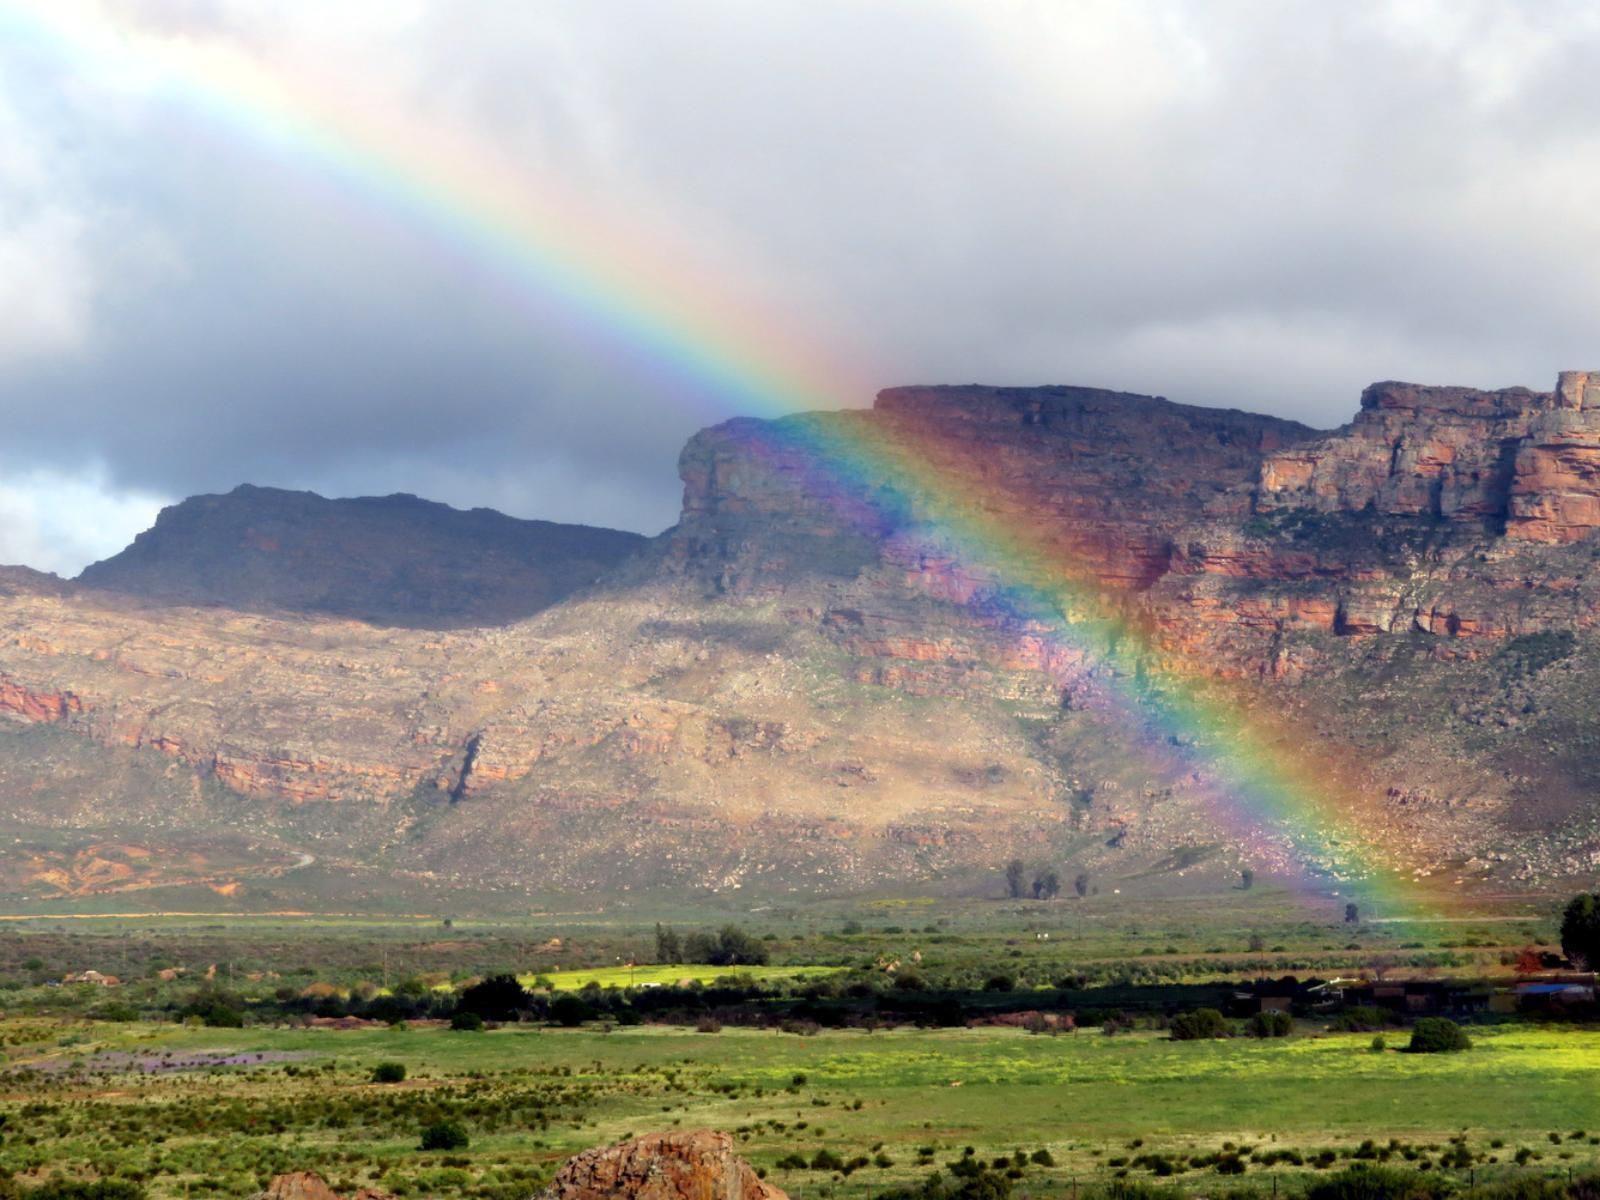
column 807, row 686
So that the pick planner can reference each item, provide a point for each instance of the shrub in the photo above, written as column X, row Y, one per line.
column 826, row 1160
column 1362, row 1018
column 444, row 1135
column 1377, row 1045
column 466, row 1022
column 498, row 998
column 1270, row 1024
column 1378, row 1183
column 1580, row 929
column 81, row 1189
column 569, row 1010
column 1200, row 1024
column 389, row 1072
column 1438, row 1035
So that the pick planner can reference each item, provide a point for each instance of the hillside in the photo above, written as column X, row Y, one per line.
column 799, row 690
column 391, row 560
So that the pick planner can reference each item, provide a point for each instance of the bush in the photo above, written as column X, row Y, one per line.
column 1362, row 1018
column 444, row 1135
column 467, row 1022
column 1198, row 1025
column 1270, row 1024
column 82, row 1189
column 498, row 998
column 1580, row 929
column 1438, row 1035
column 570, row 1011
column 389, row 1072
column 1378, row 1183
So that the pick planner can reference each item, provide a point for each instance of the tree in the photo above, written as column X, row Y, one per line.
column 1046, row 886
column 730, row 946
column 466, row 1022
column 668, row 948
column 444, row 1135
column 1014, row 875
column 1580, row 928
column 498, row 998
column 1200, row 1024
column 1081, row 884
column 1438, row 1035
column 570, row 1010
column 1352, row 915
column 389, row 1072
column 1270, row 1023
column 1247, row 879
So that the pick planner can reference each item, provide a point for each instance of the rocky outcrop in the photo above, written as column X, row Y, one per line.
column 391, row 559
column 693, row 1165
column 1442, row 452
column 817, row 682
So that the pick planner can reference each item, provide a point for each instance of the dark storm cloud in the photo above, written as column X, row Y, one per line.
column 1259, row 205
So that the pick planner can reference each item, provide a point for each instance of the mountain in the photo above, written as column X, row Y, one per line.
column 390, row 560
column 815, row 683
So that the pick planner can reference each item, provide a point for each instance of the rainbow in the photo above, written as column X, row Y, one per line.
column 621, row 291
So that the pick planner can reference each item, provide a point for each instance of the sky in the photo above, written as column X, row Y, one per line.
column 1255, row 205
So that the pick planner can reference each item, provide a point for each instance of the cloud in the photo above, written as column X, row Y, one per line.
column 1245, row 204
column 55, row 521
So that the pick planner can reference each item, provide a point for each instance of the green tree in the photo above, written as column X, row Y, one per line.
column 668, row 948
column 1015, row 873
column 444, row 1135
column 1198, row 1025
column 1081, row 884
column 389, row 1072
column 1437, row 1035
column 1352, row 915
column 1247, row 879
column 1046, row 885
column 1580, row 929
column 498, row 998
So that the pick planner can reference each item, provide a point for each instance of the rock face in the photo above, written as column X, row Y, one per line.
column 694, row 1165
column 391, row 559
column 822, row 679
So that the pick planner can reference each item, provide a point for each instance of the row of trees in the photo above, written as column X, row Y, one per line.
column 1046, row 883
column 730, row 946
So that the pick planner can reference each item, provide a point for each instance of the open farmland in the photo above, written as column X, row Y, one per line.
column 194, row 1111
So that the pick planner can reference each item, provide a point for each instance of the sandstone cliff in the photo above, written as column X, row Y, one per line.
column 805, row 686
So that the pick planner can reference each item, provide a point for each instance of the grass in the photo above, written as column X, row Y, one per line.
column 668, row 976
column 530, row 1096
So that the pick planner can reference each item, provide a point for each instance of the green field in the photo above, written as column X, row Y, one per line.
column 530, row 1095
column 669, row 976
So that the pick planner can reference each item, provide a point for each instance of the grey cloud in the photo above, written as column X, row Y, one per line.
column 1250, row 204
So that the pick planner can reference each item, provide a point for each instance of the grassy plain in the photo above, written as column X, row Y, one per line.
column 529, row 1096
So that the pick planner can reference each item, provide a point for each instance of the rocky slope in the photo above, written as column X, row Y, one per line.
column 393, row 560
column 811, row 685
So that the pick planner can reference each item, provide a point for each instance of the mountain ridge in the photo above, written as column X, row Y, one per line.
column 797, row 689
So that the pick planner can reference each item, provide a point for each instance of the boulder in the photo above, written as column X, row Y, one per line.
column 693, row 1165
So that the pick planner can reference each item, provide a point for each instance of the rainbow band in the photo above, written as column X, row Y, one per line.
column 540, row 243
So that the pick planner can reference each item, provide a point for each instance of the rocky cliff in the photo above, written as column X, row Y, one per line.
column 811, row 684
column 391, row 560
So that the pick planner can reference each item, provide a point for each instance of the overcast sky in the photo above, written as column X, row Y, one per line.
column 1262, row 205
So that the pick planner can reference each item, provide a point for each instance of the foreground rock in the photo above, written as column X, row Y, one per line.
column 694, row 1165
column 308, row 1185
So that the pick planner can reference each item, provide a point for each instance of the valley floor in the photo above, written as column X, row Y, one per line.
column 195, row 1111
